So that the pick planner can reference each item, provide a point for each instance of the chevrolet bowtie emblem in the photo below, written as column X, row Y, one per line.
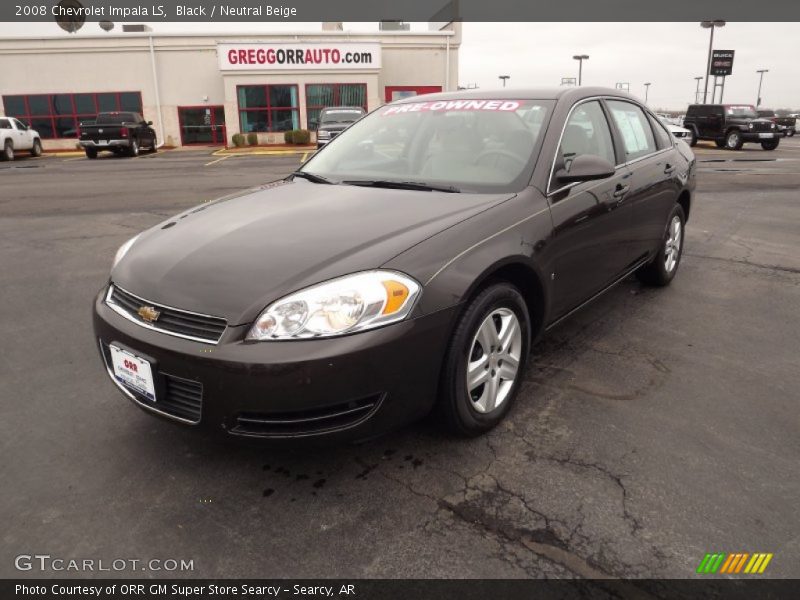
column 148, row 313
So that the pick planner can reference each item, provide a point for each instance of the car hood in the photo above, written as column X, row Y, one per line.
column 232, row 257
column 334, row 127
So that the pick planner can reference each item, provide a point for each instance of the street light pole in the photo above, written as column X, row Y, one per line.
column 709, row 25
column 760, row 81
column 646, row 91
column 580, row 58
column 504, row 78
column 697, row 90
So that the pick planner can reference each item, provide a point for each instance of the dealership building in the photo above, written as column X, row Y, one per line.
column 204, row 88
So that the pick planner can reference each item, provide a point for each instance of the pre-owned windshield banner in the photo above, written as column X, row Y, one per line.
column 431, row 11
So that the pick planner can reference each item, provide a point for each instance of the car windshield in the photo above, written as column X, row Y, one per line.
column 748, row 112
column 340, row 116
column 466, row 145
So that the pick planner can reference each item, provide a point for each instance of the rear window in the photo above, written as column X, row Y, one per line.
column 115, row 118
column 344, row 115
column 5, row 124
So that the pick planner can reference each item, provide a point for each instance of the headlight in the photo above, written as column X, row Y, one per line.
column 772, row 126
column 344, row 305
column 123, row 250
column 323, row 135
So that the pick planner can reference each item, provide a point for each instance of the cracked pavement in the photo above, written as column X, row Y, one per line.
column 654, row 426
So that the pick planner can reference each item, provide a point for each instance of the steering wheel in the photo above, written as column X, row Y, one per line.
column 500, row 153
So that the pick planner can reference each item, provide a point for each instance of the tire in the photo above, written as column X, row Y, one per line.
column 662, row 268
column 133, row 149
column 790, row 133
column 469, row 412
column 720, row 143
column 36, row 151
column 692, row 137
column 733, row 140
column 154, row 147
column 8, row 151
column 770, row 144
column 91, row 153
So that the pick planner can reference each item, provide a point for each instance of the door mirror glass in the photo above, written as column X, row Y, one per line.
column 586, row 167
column 149, row 122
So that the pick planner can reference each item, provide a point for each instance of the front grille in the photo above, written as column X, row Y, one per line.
column 176, row 397
column 174, row 321
column 307, row 422
column 762, row 126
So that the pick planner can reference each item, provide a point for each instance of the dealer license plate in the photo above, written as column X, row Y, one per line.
column 133, row 372
column 765, row 135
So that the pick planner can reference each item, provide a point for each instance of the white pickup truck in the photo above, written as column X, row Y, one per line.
column 15, row 136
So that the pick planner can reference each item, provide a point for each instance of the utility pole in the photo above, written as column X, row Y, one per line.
column 697, row 90
column 504, row 78
column 709, row 25
column 646, row 91
column 760, row 81
column 580, row 58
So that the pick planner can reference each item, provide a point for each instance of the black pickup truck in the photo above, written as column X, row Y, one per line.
column 119, row 132
column 785, row 124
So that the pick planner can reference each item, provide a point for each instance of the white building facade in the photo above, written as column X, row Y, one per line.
column 202, row 89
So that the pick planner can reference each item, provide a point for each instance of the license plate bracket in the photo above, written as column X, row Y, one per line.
column 132, row 371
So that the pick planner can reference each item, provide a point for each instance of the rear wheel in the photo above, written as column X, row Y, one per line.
column 692, row 137
column 733, row 140
column 8, row 151
column 790, row 133
column 37, row 148
column 720, row 143
column 91, row 152
column 770, row 144
column 664, row 265
column 133, row 149
column 485, row 361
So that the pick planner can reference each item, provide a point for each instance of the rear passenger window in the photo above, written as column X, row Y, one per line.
column 586, row 132
column 637, row 136
column 663, row 137
column 5, row 124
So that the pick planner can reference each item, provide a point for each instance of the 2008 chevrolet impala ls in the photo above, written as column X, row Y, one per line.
column 409, row 265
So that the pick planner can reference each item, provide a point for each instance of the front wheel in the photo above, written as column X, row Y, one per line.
column 37, row 148
column 770, row 144
column 664, row 265
column 154, row 147
column 485, row 361
column 733, row 140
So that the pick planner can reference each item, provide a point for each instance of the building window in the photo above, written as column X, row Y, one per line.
column 58, row 116
column 268, row 108
column 319, row 96
column 397, row 92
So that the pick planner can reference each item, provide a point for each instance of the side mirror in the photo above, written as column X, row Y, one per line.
column 586, row 167
column 149, row 123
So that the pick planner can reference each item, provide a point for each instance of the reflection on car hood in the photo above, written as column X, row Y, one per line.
column 233, row 257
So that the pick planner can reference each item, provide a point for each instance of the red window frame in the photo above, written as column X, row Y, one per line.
column 219, row 139
column 268, row 108
column 336, row 98
column 73, row 114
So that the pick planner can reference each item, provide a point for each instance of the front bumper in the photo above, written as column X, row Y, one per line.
column 352, row 387
column 105, row 145
column 760, row 136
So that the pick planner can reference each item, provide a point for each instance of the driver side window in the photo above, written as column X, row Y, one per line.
column 586, row 132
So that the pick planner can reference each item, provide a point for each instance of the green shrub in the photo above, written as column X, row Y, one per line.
column 288, row 136
column 252, row 138
column 301, row 136
column 238, row 140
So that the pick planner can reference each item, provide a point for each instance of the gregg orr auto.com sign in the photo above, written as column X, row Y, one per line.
column 288, row 56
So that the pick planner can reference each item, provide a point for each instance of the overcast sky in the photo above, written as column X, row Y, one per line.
column 668, row 55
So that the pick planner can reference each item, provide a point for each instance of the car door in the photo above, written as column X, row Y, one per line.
column 653, row 162
column 22, row 137
column 591, row 220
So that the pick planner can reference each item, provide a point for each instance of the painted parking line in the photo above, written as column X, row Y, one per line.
column 213, row 162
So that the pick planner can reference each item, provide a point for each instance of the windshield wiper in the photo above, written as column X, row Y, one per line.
column 312, row 177
column 403, row 185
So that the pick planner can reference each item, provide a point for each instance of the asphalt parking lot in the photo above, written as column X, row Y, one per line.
column 653, row 427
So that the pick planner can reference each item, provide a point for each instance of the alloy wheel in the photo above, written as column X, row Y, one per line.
column 493, row 360
column 672, row 247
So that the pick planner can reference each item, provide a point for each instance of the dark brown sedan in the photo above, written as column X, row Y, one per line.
column 410, row 264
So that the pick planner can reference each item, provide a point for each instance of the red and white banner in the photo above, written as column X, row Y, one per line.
column 299, row 56
column 451, row 105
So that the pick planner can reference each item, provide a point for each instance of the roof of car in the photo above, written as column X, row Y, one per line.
column 358, row 108
column 555, row 93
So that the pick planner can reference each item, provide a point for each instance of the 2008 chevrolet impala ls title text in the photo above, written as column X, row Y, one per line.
column 409, row 264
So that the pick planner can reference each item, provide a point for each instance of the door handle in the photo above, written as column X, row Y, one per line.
column 620, row 191
column 669, row 169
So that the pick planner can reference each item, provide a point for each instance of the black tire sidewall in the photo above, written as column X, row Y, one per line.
column 37, row 148
column 134, row 149
column 739, row 143
column 692, row 137
column 8, row 151
column 459, row 413
column 664, row 276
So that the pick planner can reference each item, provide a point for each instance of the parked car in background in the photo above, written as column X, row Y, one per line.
column 335, row 119
column 679, row 132
column 16, row 136
column 380, row 281
column 730, row 126
column 119, row 132
column 786, row 125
